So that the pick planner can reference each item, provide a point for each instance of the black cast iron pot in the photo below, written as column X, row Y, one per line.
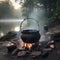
column 30, row 36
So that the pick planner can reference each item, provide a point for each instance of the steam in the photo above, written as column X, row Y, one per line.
column 38, row 19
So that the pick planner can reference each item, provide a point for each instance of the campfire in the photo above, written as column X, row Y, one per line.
column 30, row 38
column 27, row 45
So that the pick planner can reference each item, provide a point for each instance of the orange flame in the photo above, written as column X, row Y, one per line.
column 28, row 45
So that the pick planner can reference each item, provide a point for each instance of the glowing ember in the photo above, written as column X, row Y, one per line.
column 27, row 45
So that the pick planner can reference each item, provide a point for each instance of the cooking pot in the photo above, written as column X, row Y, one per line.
column 30, row 36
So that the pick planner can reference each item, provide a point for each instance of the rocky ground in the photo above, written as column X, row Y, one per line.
column 54, row 55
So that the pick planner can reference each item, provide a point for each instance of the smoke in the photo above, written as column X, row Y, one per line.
column 38, row 18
